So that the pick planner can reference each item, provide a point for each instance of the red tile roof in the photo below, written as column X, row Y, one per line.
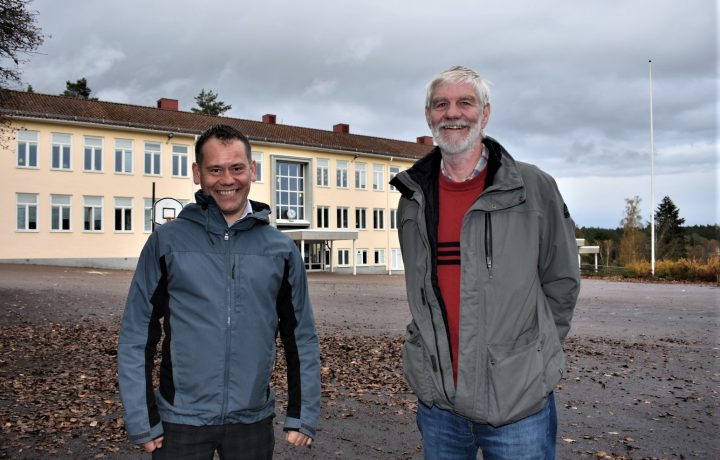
column 64, row 108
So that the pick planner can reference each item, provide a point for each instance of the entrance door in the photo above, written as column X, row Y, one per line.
column 314, row 256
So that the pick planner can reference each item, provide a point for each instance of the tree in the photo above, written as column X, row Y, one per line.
column 19, row 35
column 632, row 242
column 207, row 103
column 78, row 89
column 671, row 243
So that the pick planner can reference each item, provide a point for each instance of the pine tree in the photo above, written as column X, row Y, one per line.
column 671, row 243
column 207, row 103
column 78, row 89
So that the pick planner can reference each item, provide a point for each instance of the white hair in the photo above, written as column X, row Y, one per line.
column 460, row 74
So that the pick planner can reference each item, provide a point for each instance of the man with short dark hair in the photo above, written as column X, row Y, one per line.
column 224, row 283
column 492, row 279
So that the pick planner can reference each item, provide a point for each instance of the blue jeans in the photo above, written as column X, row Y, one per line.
column 447, row 436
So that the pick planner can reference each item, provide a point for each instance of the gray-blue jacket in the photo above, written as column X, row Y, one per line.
column 220, row 294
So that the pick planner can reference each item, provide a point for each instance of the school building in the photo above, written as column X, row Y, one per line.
column 80, row 179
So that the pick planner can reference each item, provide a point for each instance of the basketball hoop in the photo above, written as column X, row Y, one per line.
column 166, row 210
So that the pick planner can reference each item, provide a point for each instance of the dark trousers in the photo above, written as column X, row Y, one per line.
column 254, row 441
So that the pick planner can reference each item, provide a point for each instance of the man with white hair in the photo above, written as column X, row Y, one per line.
column 492, row 279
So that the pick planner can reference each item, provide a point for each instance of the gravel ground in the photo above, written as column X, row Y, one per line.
column 642, row 378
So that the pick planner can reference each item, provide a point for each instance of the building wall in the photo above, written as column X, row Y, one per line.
column 119, row 248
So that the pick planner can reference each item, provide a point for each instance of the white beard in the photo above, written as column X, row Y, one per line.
column 457, row 147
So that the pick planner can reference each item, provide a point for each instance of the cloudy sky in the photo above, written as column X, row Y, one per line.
column 570, row 79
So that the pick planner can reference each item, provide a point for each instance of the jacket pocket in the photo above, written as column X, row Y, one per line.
column 416, row 364
column 517, row 386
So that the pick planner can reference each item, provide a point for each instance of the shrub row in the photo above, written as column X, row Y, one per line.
column 677, row 270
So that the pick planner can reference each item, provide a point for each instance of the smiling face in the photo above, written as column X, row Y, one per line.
column 456, row 118
column 226, row 174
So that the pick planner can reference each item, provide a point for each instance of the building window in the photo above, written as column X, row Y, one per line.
column 393, row 219
column 152, row 158
column 289, row 192
column 361, row 257
column 93, row 154
column 379, row 256
column 396, row 263
column 394, row 171
column 147, row 214
column 180, row 160
column 257, row 157
column 342, row 218
column 92, row 213
column 341, row 174
column 322, row 172
column 27, row 149
column 123, row 156
column 378, row 177
column 343, row 257
column 123, row 214
column 27, row 206
column 360, row 218
column 360, row 176
column 61, row 151
column 323, row 217
column 379, row 219
column 60, row 209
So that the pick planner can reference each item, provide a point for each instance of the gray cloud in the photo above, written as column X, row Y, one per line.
column 569, row 79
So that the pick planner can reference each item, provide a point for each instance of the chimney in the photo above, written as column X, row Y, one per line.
column 342, row 128
column 269, row 118
column 168, row 104
column 425, row 140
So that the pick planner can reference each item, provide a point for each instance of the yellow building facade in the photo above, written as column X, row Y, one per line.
column 80, row 179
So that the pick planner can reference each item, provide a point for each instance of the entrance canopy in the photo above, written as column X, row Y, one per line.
column 324, row 237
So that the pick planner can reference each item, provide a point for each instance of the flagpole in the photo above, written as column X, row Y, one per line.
column 652, row 178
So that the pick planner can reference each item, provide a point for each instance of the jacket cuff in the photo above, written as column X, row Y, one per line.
column 294, row 424
column 141, row 438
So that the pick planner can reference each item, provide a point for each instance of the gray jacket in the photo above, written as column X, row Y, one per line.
column 519, row 284
column 223, row 294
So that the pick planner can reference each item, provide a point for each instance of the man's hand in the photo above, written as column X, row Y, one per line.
column 298, row 439
column 154, row 444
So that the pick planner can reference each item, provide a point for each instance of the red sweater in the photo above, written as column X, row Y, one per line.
column 455, row 199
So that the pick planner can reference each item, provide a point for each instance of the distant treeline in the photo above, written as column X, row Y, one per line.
column 696, row 242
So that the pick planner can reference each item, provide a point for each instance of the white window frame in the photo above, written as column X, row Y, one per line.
column 322, row 216
column 290, row 190
column 60, row 207
column 155, row 157
column 361, row 257
column 379, row 219
column 343, row 258
column 361, row 176
column 361, row 218
column 379, row 256
column 124, row 205
column 322, row 172
column 61, row 149
column 341, row 174
column 147, row 215
column 26, row 206
column 180, row 160
column 396, row 262
column 94, row 204
column 393, row 219
column 27, row 143
column 378, row 177
column 394, row 171
column 342, row 217
column 257, row 157
column 93, row 150
column 124, row 153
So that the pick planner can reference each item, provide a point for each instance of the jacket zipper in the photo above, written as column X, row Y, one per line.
column 230, row 268
column 488, row 244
